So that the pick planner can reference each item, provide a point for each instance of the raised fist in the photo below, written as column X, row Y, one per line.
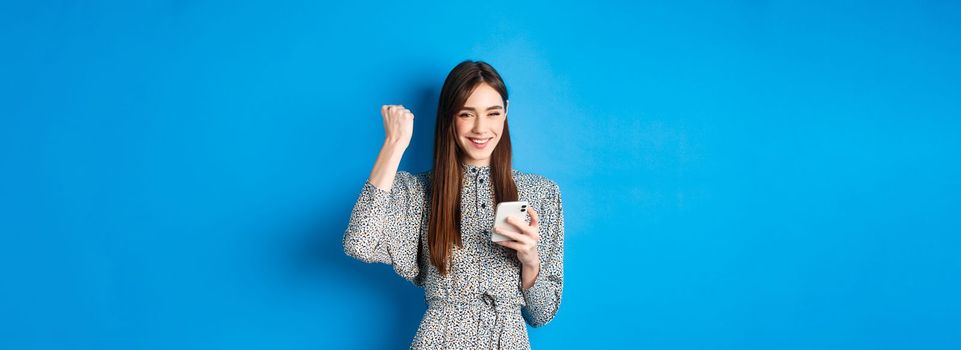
column 398, row 125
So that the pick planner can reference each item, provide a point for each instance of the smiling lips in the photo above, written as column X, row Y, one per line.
column 479, row 143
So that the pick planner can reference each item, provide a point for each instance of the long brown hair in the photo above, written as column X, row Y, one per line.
column 444, row 225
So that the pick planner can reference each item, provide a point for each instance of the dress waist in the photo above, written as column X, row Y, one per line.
column 484, row 300
column 487, row 310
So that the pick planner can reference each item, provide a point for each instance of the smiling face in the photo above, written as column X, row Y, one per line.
column 479, row 124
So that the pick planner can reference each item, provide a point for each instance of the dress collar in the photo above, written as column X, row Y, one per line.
column 475, row 169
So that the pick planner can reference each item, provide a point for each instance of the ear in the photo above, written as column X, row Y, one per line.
column 506, row 104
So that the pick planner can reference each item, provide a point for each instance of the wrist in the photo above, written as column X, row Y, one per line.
column 395, row 145
column 534, row 264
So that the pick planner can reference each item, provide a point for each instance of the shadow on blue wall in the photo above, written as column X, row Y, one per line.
column 321, row 256
column 317, row 253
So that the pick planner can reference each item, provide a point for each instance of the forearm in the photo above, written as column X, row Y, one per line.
column 529, row 274
column 385, row 168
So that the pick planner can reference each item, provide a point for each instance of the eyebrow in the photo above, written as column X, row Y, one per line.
column 488, row 108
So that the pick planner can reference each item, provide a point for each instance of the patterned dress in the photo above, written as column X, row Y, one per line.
column 480, row 304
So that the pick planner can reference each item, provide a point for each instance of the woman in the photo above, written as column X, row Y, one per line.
column 435, row 227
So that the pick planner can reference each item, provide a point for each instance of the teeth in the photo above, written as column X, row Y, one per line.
column 480, row 141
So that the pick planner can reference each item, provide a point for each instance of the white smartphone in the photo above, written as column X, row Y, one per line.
column 505, row 210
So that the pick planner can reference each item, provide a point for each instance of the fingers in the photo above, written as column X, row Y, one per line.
column 529, row 230
column 510, row 234
column 511, row 244
column 533, row 214
column 395, row 110
column 519, row 242
column 520, row 225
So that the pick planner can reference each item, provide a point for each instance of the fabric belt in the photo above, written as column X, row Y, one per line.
column 490, row 311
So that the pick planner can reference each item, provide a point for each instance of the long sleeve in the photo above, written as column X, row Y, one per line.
column 544, row 297
column 385, row 225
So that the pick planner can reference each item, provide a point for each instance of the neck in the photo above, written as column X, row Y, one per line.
column 477, row 163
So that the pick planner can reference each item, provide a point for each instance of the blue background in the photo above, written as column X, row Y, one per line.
column 739, row 175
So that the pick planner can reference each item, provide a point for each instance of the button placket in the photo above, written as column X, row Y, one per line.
column 483, row 192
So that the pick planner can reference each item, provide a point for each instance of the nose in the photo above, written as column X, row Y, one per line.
column 479, row 124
